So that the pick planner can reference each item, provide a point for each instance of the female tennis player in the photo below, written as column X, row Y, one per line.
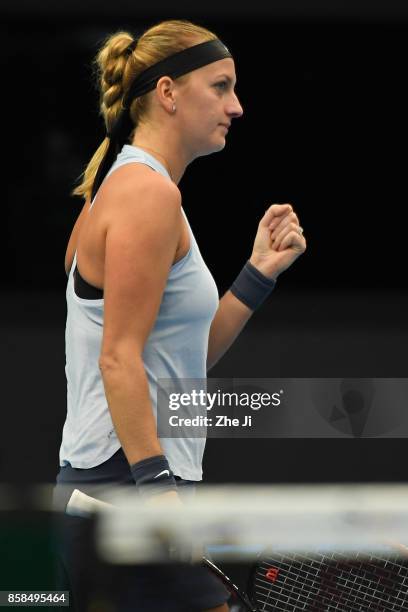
column 141, row 302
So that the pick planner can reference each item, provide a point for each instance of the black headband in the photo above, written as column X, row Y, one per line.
column 130, row 48
column 173, row 66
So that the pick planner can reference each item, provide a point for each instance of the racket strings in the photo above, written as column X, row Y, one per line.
column 323, row 582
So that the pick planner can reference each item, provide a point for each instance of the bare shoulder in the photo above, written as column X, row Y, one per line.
column 138, row 186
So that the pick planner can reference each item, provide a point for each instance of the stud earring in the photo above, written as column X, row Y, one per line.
column 174, row 108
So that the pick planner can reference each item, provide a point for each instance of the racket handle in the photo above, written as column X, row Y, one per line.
column 83, row 505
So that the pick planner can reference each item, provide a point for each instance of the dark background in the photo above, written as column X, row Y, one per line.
column 324, row 127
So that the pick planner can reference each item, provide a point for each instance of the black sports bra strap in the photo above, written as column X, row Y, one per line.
column 84, row 290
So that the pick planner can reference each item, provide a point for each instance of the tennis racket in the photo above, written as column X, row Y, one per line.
column 323, row 582
column 82, row 504
column 320, row 581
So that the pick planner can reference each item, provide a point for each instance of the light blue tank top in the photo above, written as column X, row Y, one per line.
column 176, row 348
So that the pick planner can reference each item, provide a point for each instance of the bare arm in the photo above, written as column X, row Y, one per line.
column 227, row 324
column 140, row 246
column 277, row 244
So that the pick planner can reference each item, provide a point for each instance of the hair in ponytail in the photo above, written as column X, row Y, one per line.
column 116, row 68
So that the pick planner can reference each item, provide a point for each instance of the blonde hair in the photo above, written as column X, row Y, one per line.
column 116, row 69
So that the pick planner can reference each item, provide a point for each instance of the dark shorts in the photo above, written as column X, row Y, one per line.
column 93, row 584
